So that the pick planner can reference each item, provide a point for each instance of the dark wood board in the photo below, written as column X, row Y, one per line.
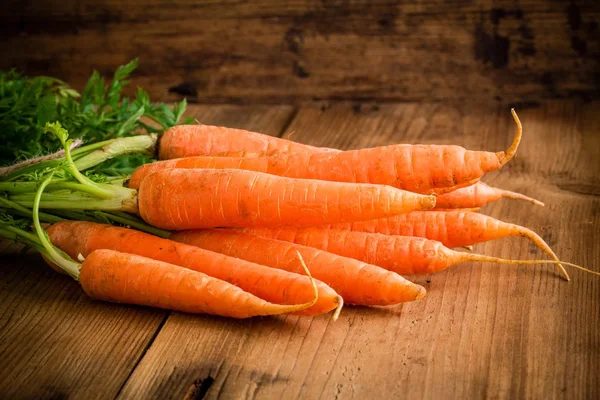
column 296, row 51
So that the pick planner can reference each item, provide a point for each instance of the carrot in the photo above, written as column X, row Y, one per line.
column 120, row 277
column 199, row 140
column 180, row 199
column 451, row 228
column 400, row 254
column 357, row 282
column 126, row 278
column 478, row 195
column 418, row 168
column 80, row 237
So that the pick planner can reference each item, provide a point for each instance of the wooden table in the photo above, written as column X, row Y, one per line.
column 482, row 331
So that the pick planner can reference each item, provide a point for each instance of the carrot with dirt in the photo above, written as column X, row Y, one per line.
column 207, row 140
column 127, row 278
column 452, row 228
column 357, row 282
column 272, row 285
column 417, row 168
column 401, row 254
column 478, row 195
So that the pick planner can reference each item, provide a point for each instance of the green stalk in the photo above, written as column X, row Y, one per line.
column 70, row 266
column 76, row 154
column 71, row 201
column 26, row 212
column 128, row 145
column 29, row 187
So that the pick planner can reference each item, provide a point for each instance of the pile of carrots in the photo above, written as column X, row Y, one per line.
column 250, row 224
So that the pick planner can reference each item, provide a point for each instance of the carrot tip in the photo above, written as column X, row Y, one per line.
column 338, row 310
column 421, row 293
column 506, row 156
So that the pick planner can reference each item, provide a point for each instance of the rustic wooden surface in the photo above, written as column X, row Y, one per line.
column 294, row 51
column 482, row 331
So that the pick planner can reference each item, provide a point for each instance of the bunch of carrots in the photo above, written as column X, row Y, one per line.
column 240, row 224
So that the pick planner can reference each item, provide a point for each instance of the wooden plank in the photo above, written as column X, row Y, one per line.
column 482, row 331
column 268, row 51
column 57, row 343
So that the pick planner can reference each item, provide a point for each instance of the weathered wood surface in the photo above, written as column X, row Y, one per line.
column 295, row 51
column 482, row 331
column 57, row 343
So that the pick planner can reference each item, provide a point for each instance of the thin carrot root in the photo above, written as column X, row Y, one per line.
column 300, row 307
column 535, row 238
column 518, row 196
column 338, row 309
column 497, row 260
column 508, row 154
column 470, row 248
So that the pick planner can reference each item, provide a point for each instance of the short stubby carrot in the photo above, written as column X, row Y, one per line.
column 80, row 237
column 478, row 195
column 418, row 168
column 178, row 199
column 132, row 279
column 200, row 140
column 357, row 282
column 401, row 254
column 452, row 228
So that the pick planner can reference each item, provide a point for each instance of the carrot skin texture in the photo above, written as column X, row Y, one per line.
column 451, row 228
column 127, row 278
column 404, row 255
column 357, row 282
column 198, row 140
column 80, row 237
column 477, row 195
column 179, row 199
column 418, row 168
column 437, row 166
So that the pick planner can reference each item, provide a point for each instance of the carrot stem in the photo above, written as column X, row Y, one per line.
column 71, row 267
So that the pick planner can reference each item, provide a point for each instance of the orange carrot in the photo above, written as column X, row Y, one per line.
column 357, row 282
column 401, row 254
column 80, row 237
column 478, row 195
column 127, row 278
column 451, row 228
column 199, row 140
column 418, row 168
column 179, row 199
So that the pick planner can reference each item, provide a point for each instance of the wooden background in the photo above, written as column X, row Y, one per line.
column 482, row 331
column 272, row 51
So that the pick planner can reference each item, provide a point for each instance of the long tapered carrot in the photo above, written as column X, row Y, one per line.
column 452, row 228
column 478, row 195
column 357, row 282
column 401, row 254
column 199, row 140
column 418, row 168
column 179, row 199
column 127, row 278
column 80, row 237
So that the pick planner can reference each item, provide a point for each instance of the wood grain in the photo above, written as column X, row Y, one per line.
column 57, row 343
column 271, row 52
column 482, row 331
